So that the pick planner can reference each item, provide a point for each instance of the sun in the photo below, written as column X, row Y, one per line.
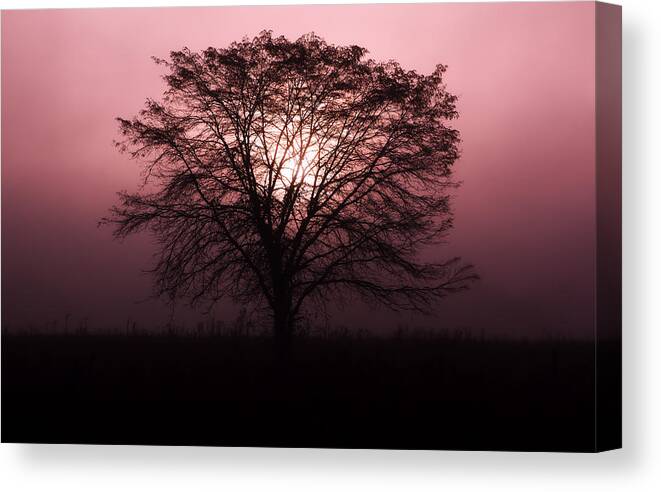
column 300, row 169
column 289, row 159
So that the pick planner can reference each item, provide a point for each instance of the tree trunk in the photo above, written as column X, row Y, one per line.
column 282, row 330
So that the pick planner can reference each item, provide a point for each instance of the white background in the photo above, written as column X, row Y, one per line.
column 635, row 467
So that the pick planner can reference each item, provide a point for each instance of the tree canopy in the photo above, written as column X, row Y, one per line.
column 289, row 173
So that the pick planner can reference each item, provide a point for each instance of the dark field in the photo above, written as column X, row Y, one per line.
column 411, row 392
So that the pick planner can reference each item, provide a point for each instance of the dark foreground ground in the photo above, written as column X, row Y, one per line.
column 434, row 393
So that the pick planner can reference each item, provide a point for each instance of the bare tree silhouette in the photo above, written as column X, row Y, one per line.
column 291, row 173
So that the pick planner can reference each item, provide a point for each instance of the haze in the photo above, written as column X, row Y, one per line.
column 524, row 215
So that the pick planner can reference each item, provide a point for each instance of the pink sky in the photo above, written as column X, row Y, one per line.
column 524, row 215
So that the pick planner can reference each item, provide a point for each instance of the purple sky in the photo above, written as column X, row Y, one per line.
column 524, row 215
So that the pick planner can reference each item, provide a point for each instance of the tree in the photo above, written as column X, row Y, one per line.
column 289, row 173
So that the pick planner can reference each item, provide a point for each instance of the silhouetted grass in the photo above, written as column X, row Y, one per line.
column 443, row 391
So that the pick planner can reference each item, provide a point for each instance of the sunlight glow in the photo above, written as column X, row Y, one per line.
column 289, row 161
column 300, row 169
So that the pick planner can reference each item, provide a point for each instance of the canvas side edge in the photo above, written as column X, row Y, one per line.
column 608, row 154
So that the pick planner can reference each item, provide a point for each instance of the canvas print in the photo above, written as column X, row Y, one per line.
column 353, row 226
